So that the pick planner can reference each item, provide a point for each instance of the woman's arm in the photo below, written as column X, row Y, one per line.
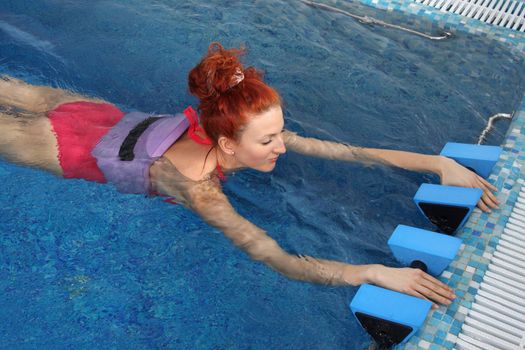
column 213, row 206
column 207, row 199
column 450, row 172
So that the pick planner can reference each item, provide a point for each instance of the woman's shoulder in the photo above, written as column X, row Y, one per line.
column 168, row 181
column 192, row 160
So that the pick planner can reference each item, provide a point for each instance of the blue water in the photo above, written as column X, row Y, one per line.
column 83, row 266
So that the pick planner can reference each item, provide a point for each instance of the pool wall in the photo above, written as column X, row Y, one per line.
column 481, row 233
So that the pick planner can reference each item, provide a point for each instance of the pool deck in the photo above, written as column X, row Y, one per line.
column 481, row 233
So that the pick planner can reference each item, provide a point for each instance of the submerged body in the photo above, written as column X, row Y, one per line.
column 189, row 169
column 186, row 171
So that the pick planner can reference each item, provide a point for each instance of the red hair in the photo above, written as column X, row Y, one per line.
column 225, row 103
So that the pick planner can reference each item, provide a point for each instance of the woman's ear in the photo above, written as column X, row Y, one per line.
column 227, row 145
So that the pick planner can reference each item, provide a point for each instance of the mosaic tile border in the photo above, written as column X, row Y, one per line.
column 480, row 237
column 481, row 233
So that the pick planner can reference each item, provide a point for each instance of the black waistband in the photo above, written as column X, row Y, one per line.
column 126, row 149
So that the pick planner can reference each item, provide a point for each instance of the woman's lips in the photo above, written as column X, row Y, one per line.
column 273, row 160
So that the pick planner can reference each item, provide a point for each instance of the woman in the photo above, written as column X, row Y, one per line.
column 242, row 127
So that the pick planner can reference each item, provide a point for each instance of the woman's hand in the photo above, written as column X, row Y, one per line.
column 413, row 282
column 453, row 174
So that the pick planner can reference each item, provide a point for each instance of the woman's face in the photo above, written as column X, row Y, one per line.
column 261, row 141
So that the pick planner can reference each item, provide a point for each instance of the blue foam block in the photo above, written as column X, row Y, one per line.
column 434, row 249
column 392, row 306
column 453, row 199
column 480, row 158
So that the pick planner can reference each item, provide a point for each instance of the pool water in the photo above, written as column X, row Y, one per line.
column 83, row 266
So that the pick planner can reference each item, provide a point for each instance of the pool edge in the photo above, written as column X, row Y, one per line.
column 481, row 233
column 480, row 237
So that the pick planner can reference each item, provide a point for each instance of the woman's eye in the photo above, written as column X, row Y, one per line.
column 266, row 142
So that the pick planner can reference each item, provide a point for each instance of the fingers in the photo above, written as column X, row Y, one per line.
column 488, row 199
column 483, row 206
column 427, row 294
column 460, row 176
column 487, row 184
column 422, row 296
column 438, row 294
column 430, row 288
column 487, row 202
column 440, row 284
column 493, row 201
column 415, row 282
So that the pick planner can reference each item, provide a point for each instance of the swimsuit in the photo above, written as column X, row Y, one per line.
column 97, row 142
column 78, row 126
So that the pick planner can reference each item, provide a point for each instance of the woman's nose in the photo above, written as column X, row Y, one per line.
column 280, row 147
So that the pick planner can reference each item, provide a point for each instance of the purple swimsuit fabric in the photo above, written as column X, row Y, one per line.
column 133, row 176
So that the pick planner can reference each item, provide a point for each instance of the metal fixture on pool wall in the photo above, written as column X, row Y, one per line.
column 370, row 20
column 490, row 124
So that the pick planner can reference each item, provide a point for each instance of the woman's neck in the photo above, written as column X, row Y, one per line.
column 226, row 161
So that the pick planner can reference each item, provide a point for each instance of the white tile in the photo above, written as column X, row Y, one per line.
column 451, row 338
column 473, row 284
column 446, row 274
column 424, row 344
column 470, row 269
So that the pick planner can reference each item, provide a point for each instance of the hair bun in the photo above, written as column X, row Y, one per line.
column 219, row 71
column 228, row 93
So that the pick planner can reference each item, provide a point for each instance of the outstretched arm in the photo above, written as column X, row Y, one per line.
column 450, row 172
column 207, row 199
